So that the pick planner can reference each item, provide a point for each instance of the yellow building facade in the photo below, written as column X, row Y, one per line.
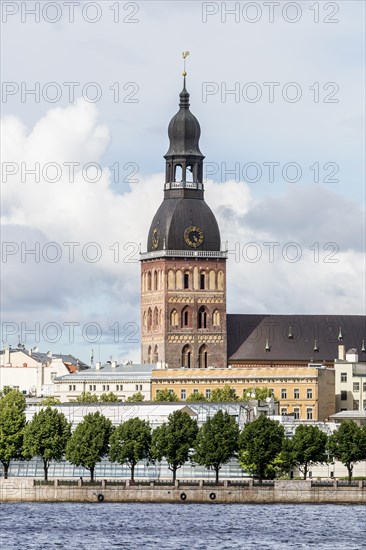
column 308, row 393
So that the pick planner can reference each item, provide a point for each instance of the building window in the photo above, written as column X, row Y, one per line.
column 296, row 413
column 283, row 411
column 364, row 386
column 202, row 357
column 90, row 388
column 202, row 281
column 343, row 377
column 208, row 394
column 364, row 405
column 309, row 413
column 186, row 280
column 186, row 317
column 53, row 375
column 105, row 387
column 174, row 318
column 309, row 393
column 356, row 405
column 202, row 317
column 94, row 387
column 171, row 392
column 72, row 387
column 356, row 386
column 140, row 387
column 195, row 391
column 283, row 393
column 343, row 396
column 186, row 357
column 183, row 394
column 137, row 387
column 296, row 393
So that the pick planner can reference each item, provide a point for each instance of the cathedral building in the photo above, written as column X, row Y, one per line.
column 184, row 323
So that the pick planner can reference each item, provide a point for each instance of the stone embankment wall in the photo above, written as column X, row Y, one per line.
column 244, row 492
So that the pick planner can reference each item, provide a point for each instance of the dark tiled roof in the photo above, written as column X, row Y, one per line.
column 247, row 337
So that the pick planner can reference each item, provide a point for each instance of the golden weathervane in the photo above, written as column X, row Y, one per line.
column 184, row 55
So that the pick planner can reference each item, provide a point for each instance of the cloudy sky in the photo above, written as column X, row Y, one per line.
column 88, row 91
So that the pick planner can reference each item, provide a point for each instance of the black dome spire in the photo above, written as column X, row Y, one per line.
column 184, row 130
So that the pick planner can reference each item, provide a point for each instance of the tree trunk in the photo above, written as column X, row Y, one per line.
column 174, row 470
column 45, row 469
column 92, row 473
column 6, row 469
column 305, row 470
column 260, row 474
column 349, row 468
column 217, row 469
column 133, row 472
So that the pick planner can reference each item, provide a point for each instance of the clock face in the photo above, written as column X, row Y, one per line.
column 193, row 236
column 155, row 238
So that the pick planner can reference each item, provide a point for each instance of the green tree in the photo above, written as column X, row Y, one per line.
column 46, row 436
column 166, row 395
column 89, row 442
column 224, row 394
column 217, row 441
column 308, row 446
column 87, row 397
column 130, row 442
column 50, row 401
column 260, row 394
column 12, row 423
column 259, row 443
column 174, row 440
column 109, row 398
column 196, row 397
column 136, row 397
column 348, row 445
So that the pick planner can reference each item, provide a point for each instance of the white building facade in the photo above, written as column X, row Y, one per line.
column 350, row 382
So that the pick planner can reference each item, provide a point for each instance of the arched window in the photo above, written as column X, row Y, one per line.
column 160, row 318
column 202, row 281
column 189, row 173
column 149, row 354
column 149, row 280
column 202, row 357
column 179, row 280
column 216, row 318
column 156, row 318
column 174, row 318
column 156, row 354
column 178, row 173
column 211, row 280
column 186, row 357
column 171, row 280
column 143, row 282
column 144, row 322
column 155, row 280
column 220, row 280
column 186, row 279
column 202, row 317
column 186, row 317
column 149, row 319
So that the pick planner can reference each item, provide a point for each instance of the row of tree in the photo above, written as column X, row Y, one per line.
column 261, row 447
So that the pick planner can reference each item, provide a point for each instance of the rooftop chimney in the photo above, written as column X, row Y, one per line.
column 114, row 364
column 341, row 352
column 98, row 364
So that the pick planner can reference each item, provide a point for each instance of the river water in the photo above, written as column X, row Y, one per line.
column 181, row 526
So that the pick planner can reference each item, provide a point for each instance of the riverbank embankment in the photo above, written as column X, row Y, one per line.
column 243, row 491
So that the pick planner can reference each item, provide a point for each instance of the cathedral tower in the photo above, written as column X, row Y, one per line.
column 183, row 272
